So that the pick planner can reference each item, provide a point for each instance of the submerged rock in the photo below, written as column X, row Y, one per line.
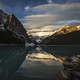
column 11, row 30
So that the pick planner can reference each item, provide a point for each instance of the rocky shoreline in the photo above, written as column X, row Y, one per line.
column 72, row 67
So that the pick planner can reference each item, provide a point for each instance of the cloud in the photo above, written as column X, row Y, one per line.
column 54, row 9
column 53, row 14
column 57, row 8
column 50, row 1
column 27, row 8
column 38, row 21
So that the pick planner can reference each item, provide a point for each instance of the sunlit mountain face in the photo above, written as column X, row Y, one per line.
column 40, row 34
column 44, row 14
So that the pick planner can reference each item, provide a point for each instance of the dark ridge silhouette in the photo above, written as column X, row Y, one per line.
column 63, row 38
column 12, row 31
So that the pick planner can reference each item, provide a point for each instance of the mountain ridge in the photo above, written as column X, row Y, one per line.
column 64, row 36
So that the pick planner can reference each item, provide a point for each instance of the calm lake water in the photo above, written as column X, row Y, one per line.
column 39, row 63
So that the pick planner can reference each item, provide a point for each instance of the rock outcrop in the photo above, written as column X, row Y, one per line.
column 72, row 67
column 11, row 30
column 65, row 36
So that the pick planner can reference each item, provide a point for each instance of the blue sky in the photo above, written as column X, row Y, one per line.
column 40, row 13
column 10, row 6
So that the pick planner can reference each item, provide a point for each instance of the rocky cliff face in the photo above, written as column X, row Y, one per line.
column 66, row 36
column 11, row 30
column 65, row 30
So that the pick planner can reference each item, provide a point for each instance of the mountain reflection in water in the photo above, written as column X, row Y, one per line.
column 39, row 63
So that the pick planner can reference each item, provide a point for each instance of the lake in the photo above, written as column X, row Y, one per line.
column 18, row 62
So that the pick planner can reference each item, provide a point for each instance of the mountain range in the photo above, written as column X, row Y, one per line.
column 64, row 36
column 13, row 32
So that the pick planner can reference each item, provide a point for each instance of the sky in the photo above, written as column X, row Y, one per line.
column 37, row 14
